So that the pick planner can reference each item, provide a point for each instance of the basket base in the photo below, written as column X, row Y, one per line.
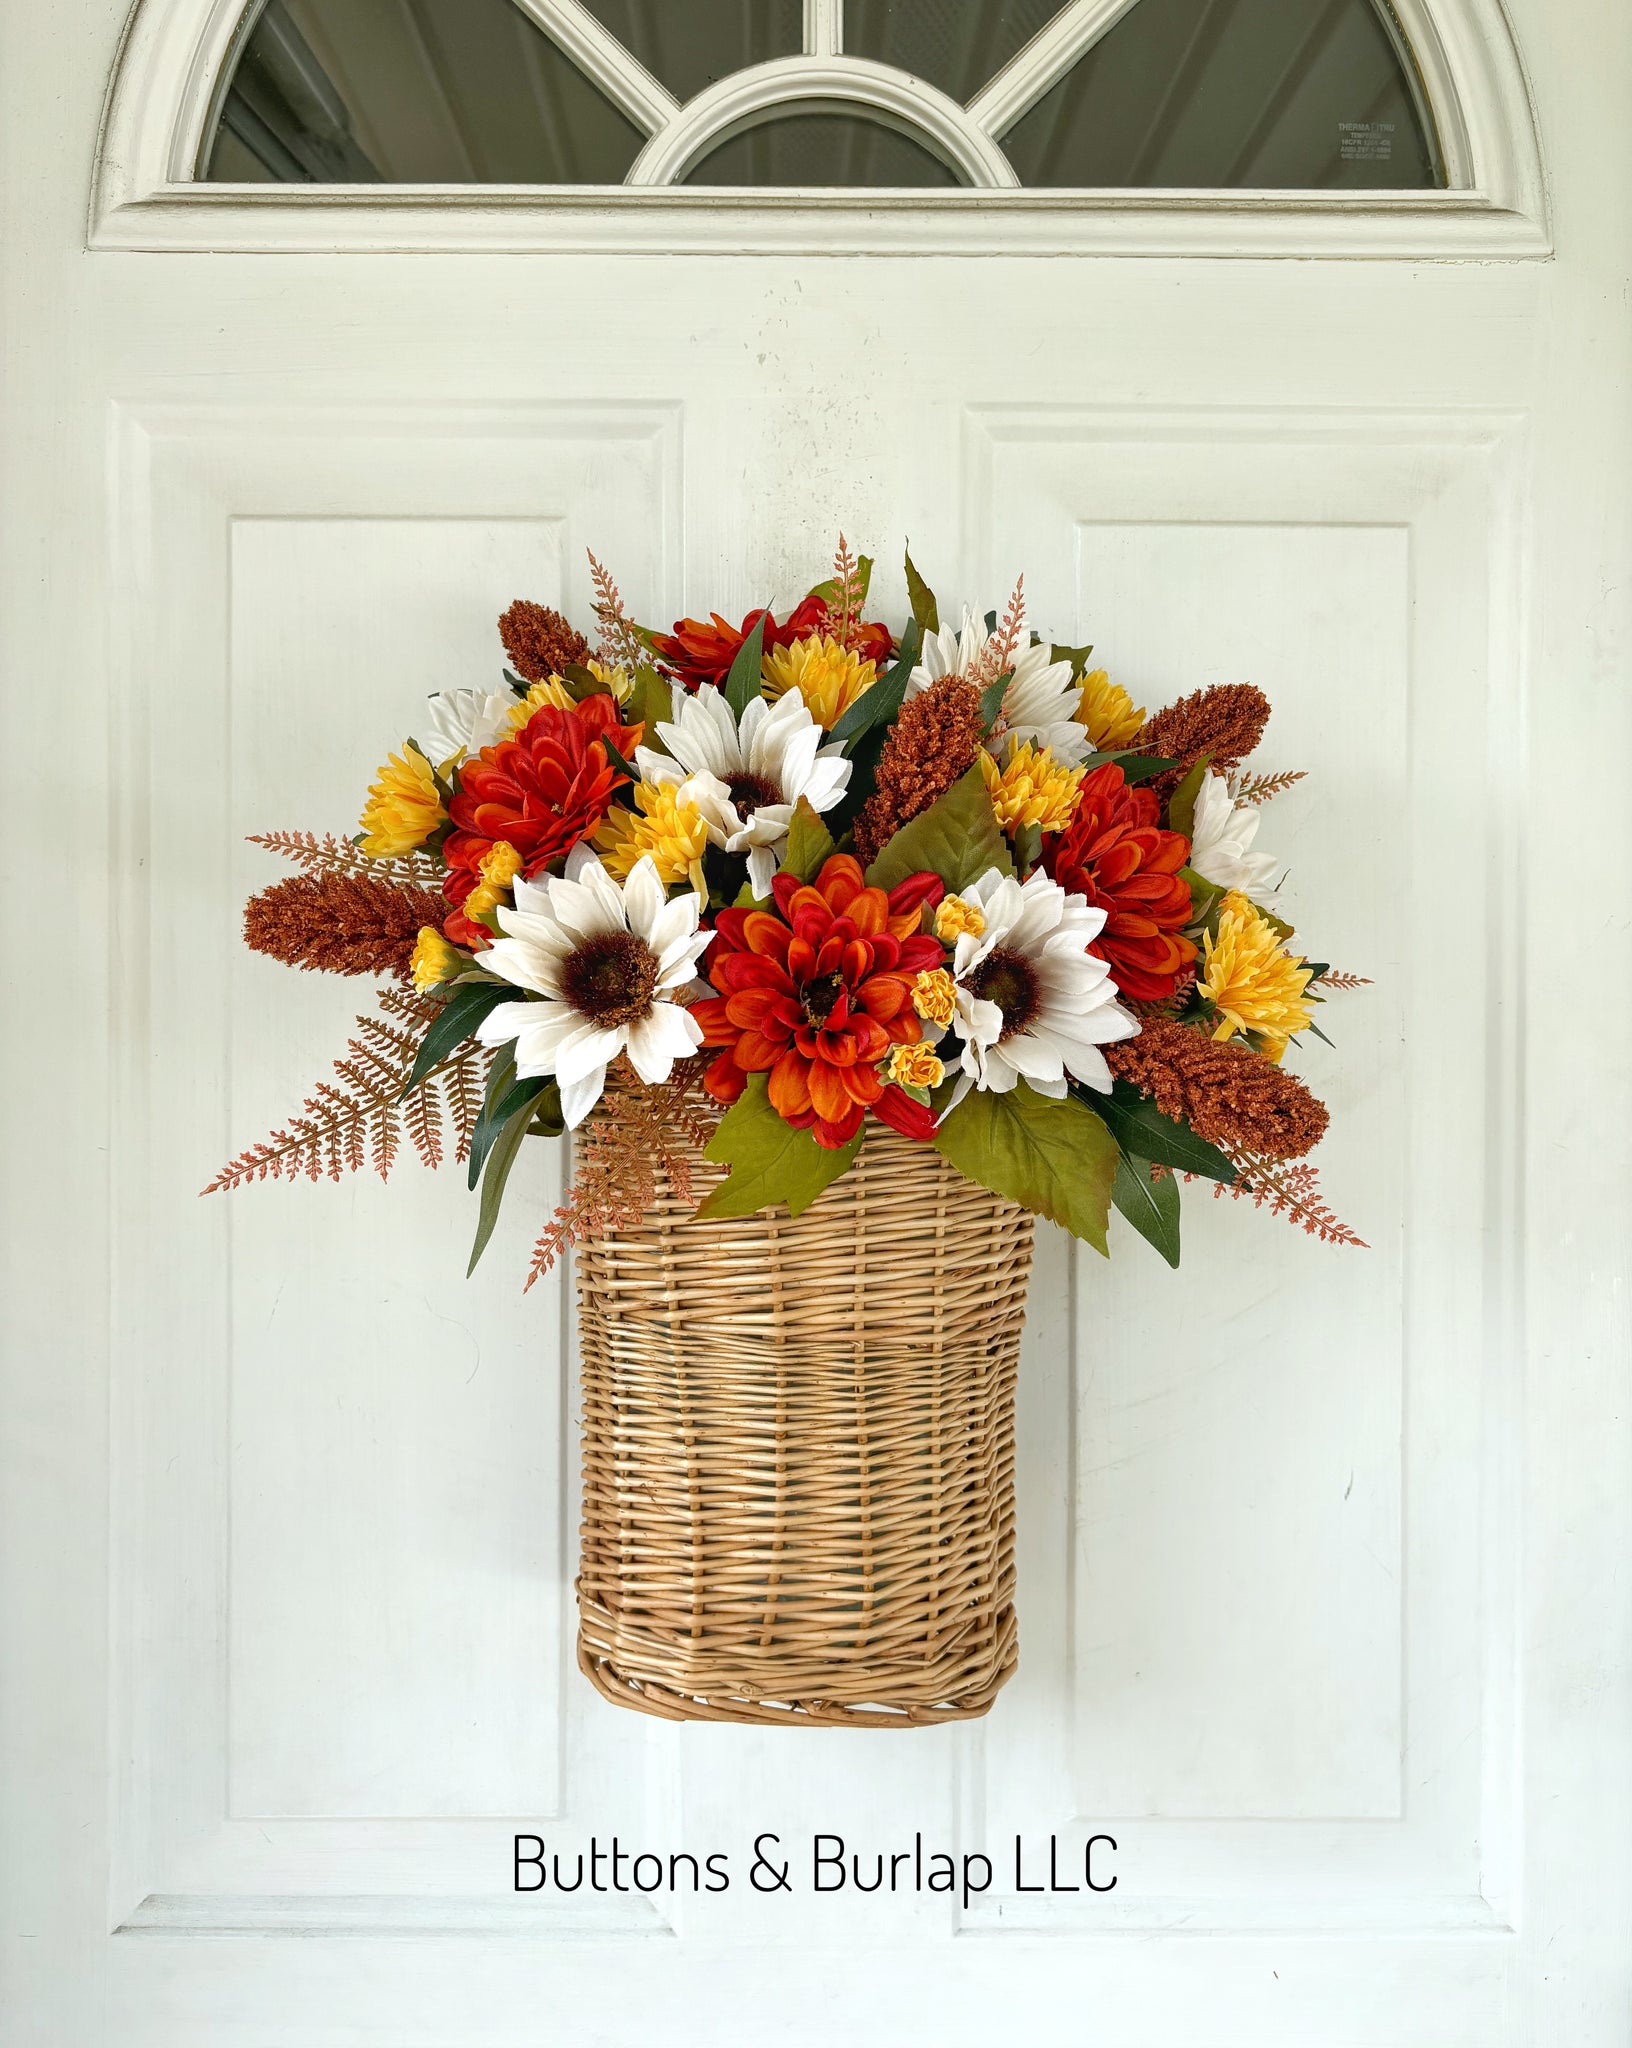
column 646, row 1697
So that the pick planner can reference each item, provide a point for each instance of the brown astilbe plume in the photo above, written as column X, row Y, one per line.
column 539, row 641
column 1225, row 721
column 341, row 924
column 635, row 1133
column 1228, row 1094
column 932, row 743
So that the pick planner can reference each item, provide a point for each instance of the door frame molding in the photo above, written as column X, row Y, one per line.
column 165, row 82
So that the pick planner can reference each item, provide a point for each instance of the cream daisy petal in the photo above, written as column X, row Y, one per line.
column 643, row 897
column 667, row 1034
column 579, row 1097
column 591, row 1045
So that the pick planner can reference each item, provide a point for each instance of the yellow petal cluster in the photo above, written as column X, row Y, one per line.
column 954, row 916
column 1031, row 788
column 1251, row 980
column 548, row 690
column 434, row 959
column 915, row 1066
column 671, row 830
column 1107, row 713
column 824, row 672
column 934, row 995
column 403, row 807
column 499, row 868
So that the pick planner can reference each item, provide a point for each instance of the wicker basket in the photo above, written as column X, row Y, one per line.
column 798, row 1452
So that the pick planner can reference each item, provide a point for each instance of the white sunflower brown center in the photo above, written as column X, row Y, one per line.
column 611, row 978
column 751, row 792
column 1009, row 980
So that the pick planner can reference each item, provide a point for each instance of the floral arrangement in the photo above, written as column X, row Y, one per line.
column 757, row 887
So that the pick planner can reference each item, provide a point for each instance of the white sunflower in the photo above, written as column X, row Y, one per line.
column 603, row 965
column 1221, row 842
column 462, row 722
column 1032, row 1003
column 746, row 779
column 1039, row 704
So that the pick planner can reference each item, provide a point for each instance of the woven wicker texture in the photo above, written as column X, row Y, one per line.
column 798, row 1451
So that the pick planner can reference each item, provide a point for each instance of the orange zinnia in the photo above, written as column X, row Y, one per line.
column 1116, row 854
column 816, row 994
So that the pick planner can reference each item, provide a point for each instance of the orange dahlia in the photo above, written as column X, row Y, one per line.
column 1116, row 854
column 539, row 792
column 695, row 653
column 817, row 994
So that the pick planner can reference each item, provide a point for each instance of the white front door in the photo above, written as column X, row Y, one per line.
column 1321, row 1656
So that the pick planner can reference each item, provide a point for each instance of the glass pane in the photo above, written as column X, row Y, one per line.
column 820, row 149
column 1269, row 93
column 957, row 47
column 413, row 91
column 686, row 48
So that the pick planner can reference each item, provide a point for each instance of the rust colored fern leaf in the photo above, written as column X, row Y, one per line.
column 635, row 1133
column 331, row 856
column 1289, row 1190
column 361, row 1117
column 1340, row 981
column 622, row 644
column 1258, row 789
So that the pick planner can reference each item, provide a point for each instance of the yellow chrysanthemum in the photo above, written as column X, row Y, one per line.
column 1031, row 788
column 403, row 808
column 1251, row 980
column 915, row 1066
column 670, row 830
column 826, row 674
column 500, row 866
column 434, row 959
column 548, row 690
column 955, row 916
column 934, row 995
column 1107, row 713
column 617, row 680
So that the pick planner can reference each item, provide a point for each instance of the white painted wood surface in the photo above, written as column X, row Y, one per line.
column 1320, row 1559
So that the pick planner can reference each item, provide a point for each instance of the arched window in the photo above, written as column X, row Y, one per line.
column 1313, row 95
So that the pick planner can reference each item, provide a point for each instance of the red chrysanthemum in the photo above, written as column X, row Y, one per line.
column 815, row 995
column 695, row 653
column 1116, row 854
column 541, row 791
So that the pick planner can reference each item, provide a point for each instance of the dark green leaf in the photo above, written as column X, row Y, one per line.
column 1028, row 845
column 487, row 1127
column 742, row 684
column 1054, row 1158
column 650, row 699
column 499, row 1162
column 623, row 767
column 517, row 683
column 1141, row 767
column 455, row 1021
column 1204, row 895
column 991, row 699
column 770, row 1161
column 1316, row 969
column 1151, row 1206
column 582, row 682
column 879, row 705
column 957, row 838
column 922, row 599
column 1139, row 1127
column 1181, row 805
column 809, row 843
column 1315, row 1028
column 1078, row 658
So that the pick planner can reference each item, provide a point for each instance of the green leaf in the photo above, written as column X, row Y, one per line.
column 770, row 1161
column 1028, row 847
column 922, row 598
column 499, row 1162
column 616, row 759
column 1055, row 1158
column 991, row 699
column 582, row 682
column 454, row 1023
column 650, row 699
column 1139, row 1127
column 1181, row 805
column 742, row 684
column 1151, row 1206
column 879, row 705
column 1135, row 767
column 1204, row 895
column 809, row 843
column 957, row 838
column 486, row 1128
column 1078, row 658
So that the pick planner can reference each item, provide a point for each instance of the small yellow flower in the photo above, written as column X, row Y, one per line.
column 671, row 830
column 617, row 680
column 500, row 866
column 956, row 916
column 554, row 690
column 403, row 808
column 934, row 995
column 825, row 673
column 1251, row 980
column 434, row 959
column 1107, row 712
column 915, row 1066
column 1031, row 788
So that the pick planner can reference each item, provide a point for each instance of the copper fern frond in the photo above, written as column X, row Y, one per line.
column 1289, row 1189
column 997, row 656
column 331, row 856
column 361, row 1116
column 1340, row 981
column 844, row 606
column 1258, row 789
column 622, row 644
column 635, row 1133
